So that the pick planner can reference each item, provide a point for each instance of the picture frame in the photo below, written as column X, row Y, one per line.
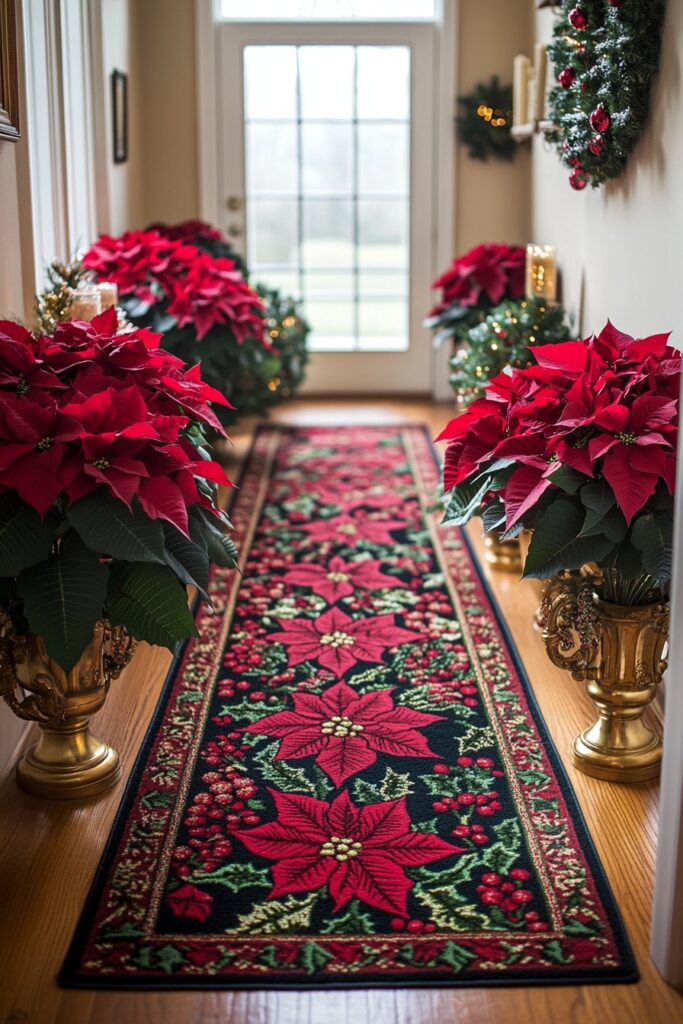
column 119, row 115
column 9, row 73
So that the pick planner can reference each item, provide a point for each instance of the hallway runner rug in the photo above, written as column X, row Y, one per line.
column 347, row 780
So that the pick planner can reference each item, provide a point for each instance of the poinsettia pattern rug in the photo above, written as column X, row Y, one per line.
column 347, row 780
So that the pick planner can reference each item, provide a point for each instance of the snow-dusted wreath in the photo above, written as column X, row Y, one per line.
column 605, row 55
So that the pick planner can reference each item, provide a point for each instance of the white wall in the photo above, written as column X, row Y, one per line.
column 623, row 243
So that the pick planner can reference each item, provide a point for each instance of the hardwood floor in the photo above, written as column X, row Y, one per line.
column 49, row 853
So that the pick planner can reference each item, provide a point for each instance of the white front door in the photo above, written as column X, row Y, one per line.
column 325, row 169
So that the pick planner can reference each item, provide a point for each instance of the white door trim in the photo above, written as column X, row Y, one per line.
column 666, row 945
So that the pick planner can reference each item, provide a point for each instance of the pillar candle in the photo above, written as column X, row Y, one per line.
column 519, row 89
column 85, row 304
column 541, row 272
column 540, row 68
column 109, row 294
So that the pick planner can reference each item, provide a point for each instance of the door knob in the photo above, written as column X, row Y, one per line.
column 234, row 203
column 234, row 230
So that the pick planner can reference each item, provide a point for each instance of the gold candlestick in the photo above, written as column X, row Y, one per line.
column 541, row 272
column 520, row 86
column 86, row 304
column 109, row 294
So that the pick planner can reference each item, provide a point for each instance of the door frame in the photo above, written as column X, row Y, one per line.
column 441, row 228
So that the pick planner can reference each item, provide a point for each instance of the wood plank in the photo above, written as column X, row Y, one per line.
column 50, row 852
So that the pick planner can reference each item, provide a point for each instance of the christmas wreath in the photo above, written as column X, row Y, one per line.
column 505, row 338
column 484, row 120
column 605, row 54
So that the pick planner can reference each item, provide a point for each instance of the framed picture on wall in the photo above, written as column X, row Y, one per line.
column 119, row 115
column 9, row 79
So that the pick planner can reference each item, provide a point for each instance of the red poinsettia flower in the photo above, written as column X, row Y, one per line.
column 347, row 530
column 339, row 578
column 487, row 272
column 187, row 230
column 346, row 731
column 213, row 292
column 189, row 901
column 356, row 852
column 338, row 642
column 135, row 260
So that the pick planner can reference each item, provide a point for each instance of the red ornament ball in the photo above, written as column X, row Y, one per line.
column 600, row 119
column 578, row 19
column 567, row 77
column 577, row 181
column 596, row 145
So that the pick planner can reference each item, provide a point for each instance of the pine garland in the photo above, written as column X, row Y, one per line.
column 506, row 337
column 52, row 305
column 605, row 55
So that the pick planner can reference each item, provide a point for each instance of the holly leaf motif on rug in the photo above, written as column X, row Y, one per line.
column 281, row 774
column 353, row 922
column 449, row 912
column 477, row 737
column 313, row 957
column 236, row 876
column 395, row 784
column 277, row 917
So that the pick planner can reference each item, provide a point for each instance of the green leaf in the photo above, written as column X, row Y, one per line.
column 188, row 559
column 598, row 498
column 456, row 876
column 568, row 479
column 653, row 536
column 365, row 792
column 63, row 599
column 553, row 951
column 221, row 548
column 284, row 776
column 395, row 785
column 493, row 516
column 456, row 956
column 236, row 876
column 556, row 544
column 274, row 917
column 509, row 833
column 169, row 958
column 464, row 500
column 108, row 527
column 476, row 738
column 500, row 857
column 148, row 600
column 25, row 538
column 449, row 911
column 353, row 922
column 313, row 957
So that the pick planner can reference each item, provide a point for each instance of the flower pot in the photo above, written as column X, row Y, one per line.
column 503, row 555
column 616, row 650
column 67, row 762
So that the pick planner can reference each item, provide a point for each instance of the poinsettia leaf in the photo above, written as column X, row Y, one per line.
column 652, row 535
column 150, row 602
column 493, row 516
column 108, row 527
column 556, row 543
column 464, row 500
column 612, row 525
column 598, row 498
column 63, row 599
column 628, row 561
column 567, row 479
column 25, row 538
column 188, row 560
column 221, row 548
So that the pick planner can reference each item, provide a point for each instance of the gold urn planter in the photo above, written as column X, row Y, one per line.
column 503, row 555
column 67, row 762
column 616, row 650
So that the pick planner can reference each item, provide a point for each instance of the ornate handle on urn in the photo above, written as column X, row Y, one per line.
column 46, row 702
column 571, row 626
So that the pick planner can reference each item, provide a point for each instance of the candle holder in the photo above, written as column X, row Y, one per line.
column 85, row 304
column 541, row 272
column 109, row 294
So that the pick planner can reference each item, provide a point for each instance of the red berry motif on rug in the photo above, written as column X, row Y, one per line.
column 346, row 779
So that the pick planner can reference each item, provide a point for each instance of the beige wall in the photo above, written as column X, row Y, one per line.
column 11, row 287
column 120, row 51
column 622, row 245
column 492, row 198
column 166, row 48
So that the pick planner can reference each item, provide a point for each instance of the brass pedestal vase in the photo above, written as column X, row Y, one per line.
column 616, row 650
column 503, row 555
column 67, row 762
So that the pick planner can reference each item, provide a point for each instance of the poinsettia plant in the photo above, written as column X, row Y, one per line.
column 473, row 284
column 581, row 449
column 108, row 495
